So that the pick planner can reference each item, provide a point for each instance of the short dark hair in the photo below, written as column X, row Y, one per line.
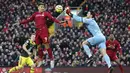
column 40, row 3
column 33, row 33
column 92, row 13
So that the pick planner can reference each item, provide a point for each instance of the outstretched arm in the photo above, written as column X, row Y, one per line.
column 52, row 18
column 31, row 18
column 81, row 19
column 78, row 18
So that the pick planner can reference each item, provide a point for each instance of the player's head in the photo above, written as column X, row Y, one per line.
column 33, row 37
column 40, row 7
column 111, row 37
column 90, row 14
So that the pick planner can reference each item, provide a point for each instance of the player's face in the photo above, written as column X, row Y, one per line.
column 33, row 37
column 89, row 15
column 41, row 8
column 111, row 37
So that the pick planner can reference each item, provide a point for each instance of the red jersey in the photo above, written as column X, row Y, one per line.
column 40, row 19
column 116, row 46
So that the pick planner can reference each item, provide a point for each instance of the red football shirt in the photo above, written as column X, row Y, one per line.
column 116, row 46
column 40, row 19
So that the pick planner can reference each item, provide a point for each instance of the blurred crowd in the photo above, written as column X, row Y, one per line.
column 112, row 16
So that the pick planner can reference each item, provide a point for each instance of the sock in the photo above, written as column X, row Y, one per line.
column 52, row 63
column 107, row 59
column 87, row 50
column 13, row 69
column 121, row 68
column 39, row 63
column 50, row 53
column 32, row 70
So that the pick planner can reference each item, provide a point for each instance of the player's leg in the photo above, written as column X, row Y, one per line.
column 40, row 53
column 39, row 60
column 119, row 64
column 45, row 40
column 85, row 45
column 49, row 50
column 91, row 41
column 102, row 47
column 106, row 57
column 31, row 64
column 21, row 63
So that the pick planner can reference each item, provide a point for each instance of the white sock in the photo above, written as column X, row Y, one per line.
column 52, row 63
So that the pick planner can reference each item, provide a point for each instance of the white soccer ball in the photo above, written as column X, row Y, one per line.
column 58, row 8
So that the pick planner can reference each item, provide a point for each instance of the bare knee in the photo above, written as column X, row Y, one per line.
column 103, row 52
column 85, row 43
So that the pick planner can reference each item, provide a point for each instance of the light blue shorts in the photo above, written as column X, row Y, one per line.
column 99, row 40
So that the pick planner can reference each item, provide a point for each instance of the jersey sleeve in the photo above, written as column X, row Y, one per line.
column 81, row 19
column 31, row 18
column 118, row 46
column 51, row 17
column 26, row 43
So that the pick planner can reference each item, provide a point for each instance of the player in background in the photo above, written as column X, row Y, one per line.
column 97, row 39
column 42, row 36
column 29, row 49
column 113, row 47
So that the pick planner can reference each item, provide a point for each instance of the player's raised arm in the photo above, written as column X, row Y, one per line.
column 78, row 18
column 81, row 19
column 31, row 18
column 53, row 19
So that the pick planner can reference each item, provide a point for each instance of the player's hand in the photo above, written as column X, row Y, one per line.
column 61, row 22
column 36, row 57
column 110, row 46
column 68, row 11
column 29, row 53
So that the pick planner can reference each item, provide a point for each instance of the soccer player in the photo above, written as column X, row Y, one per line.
column 41, row 29
column 113, row 47
column 97, row 39
column 29, row 49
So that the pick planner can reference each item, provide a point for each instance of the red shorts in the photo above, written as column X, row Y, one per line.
column 112, row 56
column 42, row 36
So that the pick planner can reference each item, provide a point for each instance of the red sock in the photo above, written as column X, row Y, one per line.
column 121, row 68
column 50, row 53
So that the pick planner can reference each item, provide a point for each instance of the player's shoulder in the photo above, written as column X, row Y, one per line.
column 108, row 40
column 27, row 42
column 36, row 12
column 115, row 41
column 46, row 12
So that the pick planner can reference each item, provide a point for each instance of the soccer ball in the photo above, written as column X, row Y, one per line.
column 58, row 8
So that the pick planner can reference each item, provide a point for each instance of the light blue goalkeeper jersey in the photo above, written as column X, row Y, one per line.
column 91, row 25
